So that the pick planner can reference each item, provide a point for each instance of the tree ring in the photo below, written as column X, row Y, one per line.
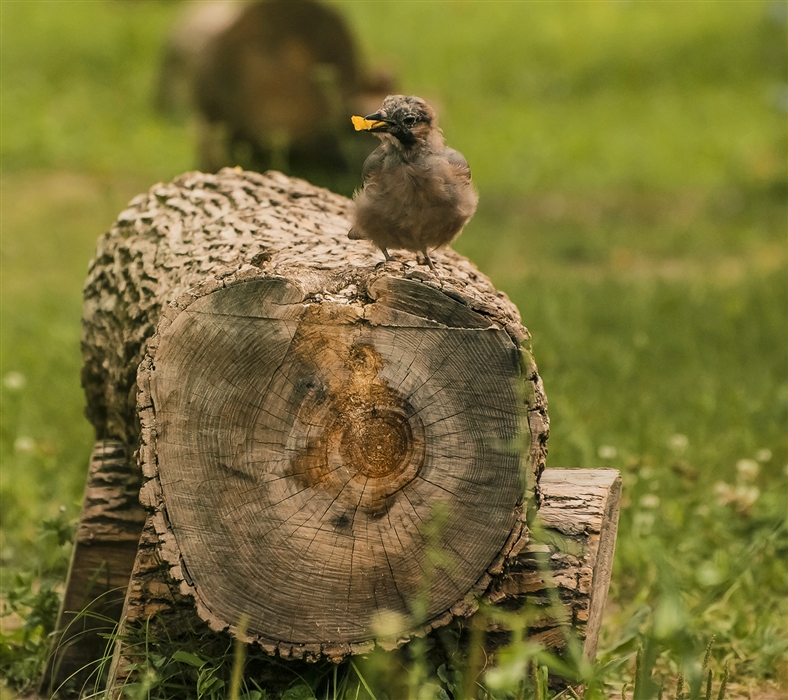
column 373, row 453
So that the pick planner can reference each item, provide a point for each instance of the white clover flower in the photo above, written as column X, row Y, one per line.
column 14, row 381
column 746, row 496
column 24, row 444
column 678, row 442
column 723, row 492
column 650, row 500
column 741, row 497
column 747, row 469
column 764, row 455
column 607, row 452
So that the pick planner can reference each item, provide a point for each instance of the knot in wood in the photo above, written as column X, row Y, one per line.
column 377, row 442
column 372, row 444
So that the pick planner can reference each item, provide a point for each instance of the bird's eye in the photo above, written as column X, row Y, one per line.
column 409, row 121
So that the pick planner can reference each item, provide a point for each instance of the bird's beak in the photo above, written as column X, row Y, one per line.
column 379, row 121
column 372, row 122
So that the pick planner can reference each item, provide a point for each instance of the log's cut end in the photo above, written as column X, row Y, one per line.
column 319, row 461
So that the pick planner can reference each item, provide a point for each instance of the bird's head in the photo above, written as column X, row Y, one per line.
column 408, row 119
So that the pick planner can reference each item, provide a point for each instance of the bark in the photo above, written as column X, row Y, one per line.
column 205, row 228
column 104, row 552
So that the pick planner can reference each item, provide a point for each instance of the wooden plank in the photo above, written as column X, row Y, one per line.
column 569, row 556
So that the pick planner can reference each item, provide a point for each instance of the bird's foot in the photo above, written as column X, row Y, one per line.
column 428, row 261
column 387, row 257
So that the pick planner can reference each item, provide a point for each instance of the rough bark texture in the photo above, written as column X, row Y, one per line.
column 101, row 563
column 205, row 228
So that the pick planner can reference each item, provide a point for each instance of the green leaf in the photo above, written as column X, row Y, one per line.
column 442, row 673
column 252, row 695
column 208, row 684
column 187, row 657
column 299, row 692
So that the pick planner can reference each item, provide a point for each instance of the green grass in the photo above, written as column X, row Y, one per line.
column 631, row 160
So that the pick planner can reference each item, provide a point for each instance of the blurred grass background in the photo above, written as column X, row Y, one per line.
column 631, row 159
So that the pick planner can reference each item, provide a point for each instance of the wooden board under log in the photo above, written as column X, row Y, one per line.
column 569, row 559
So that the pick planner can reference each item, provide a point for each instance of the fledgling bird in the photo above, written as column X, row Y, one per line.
column 417, row 192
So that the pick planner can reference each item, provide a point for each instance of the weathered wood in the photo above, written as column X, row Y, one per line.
column 302, row 448
column 253, row 276
column 569, row 559
column 149, row 593
column 104, row 552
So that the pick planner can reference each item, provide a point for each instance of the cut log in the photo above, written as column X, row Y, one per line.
column 276, row 87
column 315, row 415
column 313, row 425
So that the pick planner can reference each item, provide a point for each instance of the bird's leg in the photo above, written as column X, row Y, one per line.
column 386, row 254
column 428, row 260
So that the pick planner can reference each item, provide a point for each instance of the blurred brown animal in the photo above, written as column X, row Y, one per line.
column 198, row 24
column 275, row 89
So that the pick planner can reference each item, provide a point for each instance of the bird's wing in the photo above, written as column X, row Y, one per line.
column 372, row 165
column 459, row 164
column 369, row 173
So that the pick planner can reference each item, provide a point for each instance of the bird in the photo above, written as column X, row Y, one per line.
column 417, row 193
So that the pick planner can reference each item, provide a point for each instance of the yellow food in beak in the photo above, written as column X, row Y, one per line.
column 361, row 124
